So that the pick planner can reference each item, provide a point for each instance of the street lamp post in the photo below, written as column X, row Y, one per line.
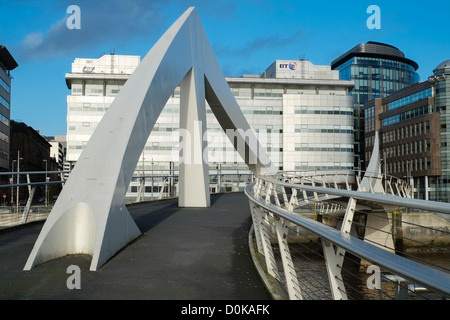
column 46, row 187
column 18, row 180
column 143, row 175
column 153, row 180
column 410, row 177
column 12, row 181
column 385, row 171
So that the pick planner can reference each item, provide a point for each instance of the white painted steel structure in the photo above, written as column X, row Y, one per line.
column 90, row 216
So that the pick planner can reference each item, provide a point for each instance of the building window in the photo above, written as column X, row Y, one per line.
column 4, row 85
column 4, row 102
column 4, row 137
column 428, row 162
column 4, row 120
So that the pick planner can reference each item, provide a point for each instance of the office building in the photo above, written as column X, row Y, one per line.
column 7, row 64
column 378, row 70
column 58, row 149
column 30, row 152
column 94, row 84
column 57, row 153
column 301, row 113
column 414, row 141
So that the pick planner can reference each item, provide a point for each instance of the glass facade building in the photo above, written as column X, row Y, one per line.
column 7, row 64
column 378, row 70
column 414, row 140
column 439, row 186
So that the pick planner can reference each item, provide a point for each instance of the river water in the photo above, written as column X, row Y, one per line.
column 313, row 280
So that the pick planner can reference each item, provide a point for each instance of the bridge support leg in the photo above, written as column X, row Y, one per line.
column 26, row 211
column 379, row 231
column 193, row 168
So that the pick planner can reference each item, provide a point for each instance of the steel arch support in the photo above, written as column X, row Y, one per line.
column 90, row 216
column 193, row 168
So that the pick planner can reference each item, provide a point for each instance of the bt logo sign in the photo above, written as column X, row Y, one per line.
column 292, row 66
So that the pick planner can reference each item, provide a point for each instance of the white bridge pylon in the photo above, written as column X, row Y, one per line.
column 90, row 216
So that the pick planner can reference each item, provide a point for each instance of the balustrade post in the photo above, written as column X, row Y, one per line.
column 290, row 274
column 334, row 259
column 285, row 198
column 271, row 264
column 254, row 209
column 293, row 201
column 269, row 192
column 347, row 185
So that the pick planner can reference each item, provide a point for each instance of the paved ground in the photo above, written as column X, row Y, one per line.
column 182, row 254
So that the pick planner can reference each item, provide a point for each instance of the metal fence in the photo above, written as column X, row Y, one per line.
column 159, row 186
column 165, row 186
column 315, row 237
column 21, row 202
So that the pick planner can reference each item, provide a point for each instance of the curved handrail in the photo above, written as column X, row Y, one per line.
column 434, row 206
column 265, row 194
column 351, row 179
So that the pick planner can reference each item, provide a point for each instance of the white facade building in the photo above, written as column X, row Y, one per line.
column 57, row 153
column 94, row 84
column 300, row 112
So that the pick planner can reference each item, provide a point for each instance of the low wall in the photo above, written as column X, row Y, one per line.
column 422, row 231
column 14, row 219
column 417, row 232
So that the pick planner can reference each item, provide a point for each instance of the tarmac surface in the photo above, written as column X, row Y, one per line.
column 182, row 254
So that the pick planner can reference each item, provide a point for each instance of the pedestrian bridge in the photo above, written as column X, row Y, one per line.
column 182, row 254
column 290, row 235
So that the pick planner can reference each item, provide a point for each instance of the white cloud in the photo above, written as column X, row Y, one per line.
column 101, row 22
column 33, row 40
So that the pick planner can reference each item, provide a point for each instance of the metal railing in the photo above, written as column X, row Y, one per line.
column 165, row 186
column 20, row 206
column 160, row 186
column 349, row 180
column 315, row 237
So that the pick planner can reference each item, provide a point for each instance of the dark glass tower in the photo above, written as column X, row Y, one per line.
column 378, row 70
column 7, row 63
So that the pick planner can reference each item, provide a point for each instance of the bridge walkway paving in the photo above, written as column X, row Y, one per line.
column 182, row 254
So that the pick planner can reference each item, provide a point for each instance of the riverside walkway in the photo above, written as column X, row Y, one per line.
column 182, row 254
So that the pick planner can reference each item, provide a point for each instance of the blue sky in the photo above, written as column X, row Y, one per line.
column 246, row 35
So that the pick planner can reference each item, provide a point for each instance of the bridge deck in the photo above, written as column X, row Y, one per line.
column 182, row 254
